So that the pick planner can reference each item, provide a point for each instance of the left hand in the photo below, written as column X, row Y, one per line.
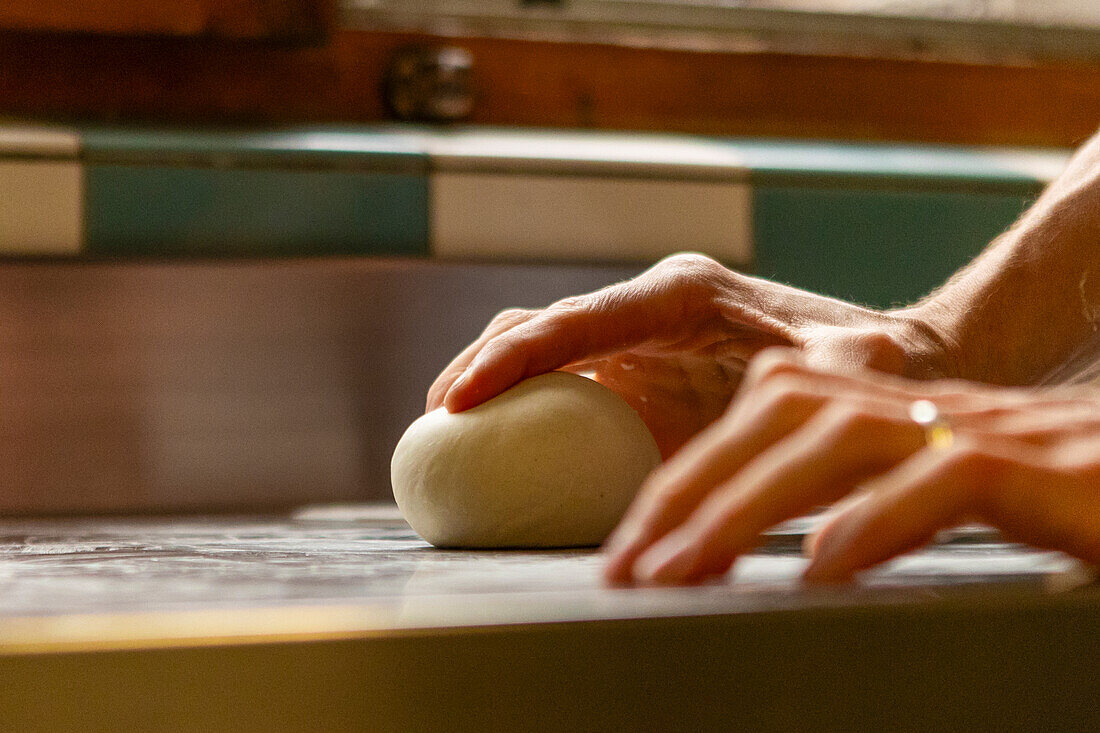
column 798, row 437
column 673, row 343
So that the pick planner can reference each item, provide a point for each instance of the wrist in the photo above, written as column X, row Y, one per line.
column 931, row 350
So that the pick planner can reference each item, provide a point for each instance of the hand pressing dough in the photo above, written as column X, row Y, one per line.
column 552, row 462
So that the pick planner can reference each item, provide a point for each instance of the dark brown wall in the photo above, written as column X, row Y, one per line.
column 222, row 18
column 146, row 386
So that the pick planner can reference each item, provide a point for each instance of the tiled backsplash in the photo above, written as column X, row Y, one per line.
column 875, row 223
column 158, row 382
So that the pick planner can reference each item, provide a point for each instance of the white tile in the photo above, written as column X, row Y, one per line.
column 587, row 218
column 38, row 141
column 1043, row 165
column 542, row 151
column 41, row 207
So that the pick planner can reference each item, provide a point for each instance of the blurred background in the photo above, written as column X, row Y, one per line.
column 239, row 238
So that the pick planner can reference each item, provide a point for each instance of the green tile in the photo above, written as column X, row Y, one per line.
column 1005, row 170
column 383, row 148
column 159, row 210
column 876, row 247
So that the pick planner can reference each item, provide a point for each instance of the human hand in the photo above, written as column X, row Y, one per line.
column 798, row 437
column 674, row 341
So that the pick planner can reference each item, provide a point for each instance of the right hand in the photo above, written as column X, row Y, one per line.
column 674, row 342
column 797, row 437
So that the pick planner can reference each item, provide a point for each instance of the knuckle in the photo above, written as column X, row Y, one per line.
column 602, row 302
column 963, row 460
column 658, row 500
column 570, row 303
column 882, row 351
column 582, row 306
column 772, row 364
column 501, row 347
column 972, row 462
column 690, row 273
column 1069, row 457
column 666, row 500
column 783, row 393
column 689, row 262
column 880, row 342
column 1032, row 436
column 512, row 316
column 998, row 416
column 847, row 421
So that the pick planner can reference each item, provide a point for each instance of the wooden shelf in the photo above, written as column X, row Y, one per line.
column 241, row 19
column 547, row 84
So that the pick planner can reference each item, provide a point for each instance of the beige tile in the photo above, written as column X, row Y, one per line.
column 587, row 218
column 585, row 153
column 38, row 141
column 41, row 207
column 1043, row 165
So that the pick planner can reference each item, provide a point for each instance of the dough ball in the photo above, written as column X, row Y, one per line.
column 552, row 462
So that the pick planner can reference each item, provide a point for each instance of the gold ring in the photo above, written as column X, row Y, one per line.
column 937, row 429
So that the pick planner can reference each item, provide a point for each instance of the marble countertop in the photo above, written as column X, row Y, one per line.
column 340, row 618
column 360, row 569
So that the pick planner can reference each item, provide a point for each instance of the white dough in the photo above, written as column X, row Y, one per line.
column 552, row 462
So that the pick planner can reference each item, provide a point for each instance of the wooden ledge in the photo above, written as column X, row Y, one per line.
column 546, row 84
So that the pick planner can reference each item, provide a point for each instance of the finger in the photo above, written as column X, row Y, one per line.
column 675, row 489
column 813, row 538
column 856, row 348
column 818, row 464
column 957, row 397
column 1044, row 423
column 573, row 330
column 501, row 322
column 677, row 398
column 1049, row 498
column 763, row 416
column 904, row 510
column 1020, row 414
column 779, row 362
column 684, row 303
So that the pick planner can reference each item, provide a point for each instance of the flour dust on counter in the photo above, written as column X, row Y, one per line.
column 364, row 557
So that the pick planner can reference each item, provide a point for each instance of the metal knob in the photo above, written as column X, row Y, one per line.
column 430, row 84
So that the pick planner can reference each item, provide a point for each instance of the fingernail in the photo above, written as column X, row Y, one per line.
column 456, row 387
column 815, row 572
column 618, row 563
column 617, row 572
column 823, row 565
column 460, row 382
column 810, row 543
column 664, row 563
column 824, row 573
column 623, row 537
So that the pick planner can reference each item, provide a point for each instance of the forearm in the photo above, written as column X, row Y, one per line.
column 1033, row 296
